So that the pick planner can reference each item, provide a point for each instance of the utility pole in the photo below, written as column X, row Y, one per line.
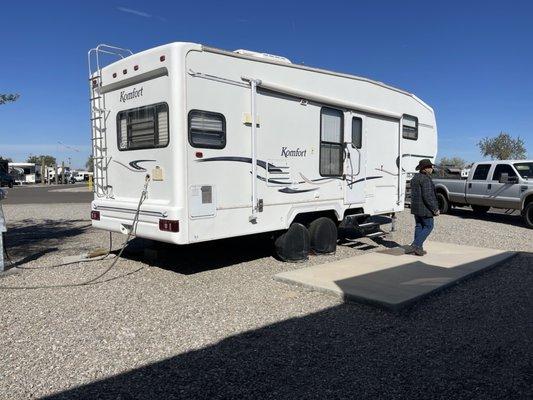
column 43, row 168
column 56, row 172
column 63, row 172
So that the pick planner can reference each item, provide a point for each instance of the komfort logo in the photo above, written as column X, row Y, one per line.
column 286, row 152
column 125, row 96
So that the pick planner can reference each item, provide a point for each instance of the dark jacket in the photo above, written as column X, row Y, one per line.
column 423, row 196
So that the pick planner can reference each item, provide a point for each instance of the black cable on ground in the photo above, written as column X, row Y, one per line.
column 115, row 260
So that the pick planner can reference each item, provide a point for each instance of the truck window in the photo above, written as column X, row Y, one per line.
column 331, row 151
column 143, row 127
column 502, row 169
column 525, row 169
column 481, row 172
column 207, row 129
column 409, row 127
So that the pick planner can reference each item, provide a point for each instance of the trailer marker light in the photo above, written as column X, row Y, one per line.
column 95, row 215
column 114, row 74
column 136, row 67
column 162, row 58
column 199, row 154
column 124, row 71
column 169, row 225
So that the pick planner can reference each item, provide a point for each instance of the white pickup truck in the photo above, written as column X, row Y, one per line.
column 503, row 184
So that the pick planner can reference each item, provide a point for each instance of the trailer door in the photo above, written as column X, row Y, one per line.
column 355, row 161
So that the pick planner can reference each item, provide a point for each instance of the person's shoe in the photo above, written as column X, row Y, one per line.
column 420, row 252
column 410, row 249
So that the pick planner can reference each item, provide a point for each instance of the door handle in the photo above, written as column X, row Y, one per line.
column 489, row 186
column 469, row 186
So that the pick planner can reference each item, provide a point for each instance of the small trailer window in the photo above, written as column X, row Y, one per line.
column 331, row 151
column 357, row 132
column 143, row 127
column 410, row 127
column 207, row 129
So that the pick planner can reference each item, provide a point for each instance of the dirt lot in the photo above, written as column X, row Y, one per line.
column 208, row 321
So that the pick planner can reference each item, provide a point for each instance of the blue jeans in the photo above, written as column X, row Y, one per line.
column 424, row 226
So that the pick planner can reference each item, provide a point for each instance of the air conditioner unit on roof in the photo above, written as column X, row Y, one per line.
column 263, row 55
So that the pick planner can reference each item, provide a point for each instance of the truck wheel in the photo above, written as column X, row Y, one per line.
column 480, row 209
column 527, row 214
column 323, row 233
column 444, row 204
column 294, row 244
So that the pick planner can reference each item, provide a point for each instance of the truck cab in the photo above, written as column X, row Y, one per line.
column 505, row 184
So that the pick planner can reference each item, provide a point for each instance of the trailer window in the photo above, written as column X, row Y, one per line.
column 357, row 132
column 410, row 127
column 143, row 127
column 207, row 129
column 331, row 151
column 481, row 172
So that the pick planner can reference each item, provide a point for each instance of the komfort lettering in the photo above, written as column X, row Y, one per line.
column 285, row 152
column 124, row 96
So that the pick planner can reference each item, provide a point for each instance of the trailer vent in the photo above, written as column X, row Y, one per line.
column 263, row 55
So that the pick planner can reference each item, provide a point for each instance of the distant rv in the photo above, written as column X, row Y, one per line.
column 25, row 173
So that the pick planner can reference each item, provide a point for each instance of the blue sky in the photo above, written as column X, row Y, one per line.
column 471, row 61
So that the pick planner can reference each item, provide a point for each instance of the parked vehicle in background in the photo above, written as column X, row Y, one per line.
column 505, row 184
column 80, row 176
column 24, row 172
column 6, row 180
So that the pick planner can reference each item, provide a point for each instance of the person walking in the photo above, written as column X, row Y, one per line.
column 424, row 206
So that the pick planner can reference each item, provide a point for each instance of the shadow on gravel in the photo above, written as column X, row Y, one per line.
column 28, row 240
column 508, row 219
column 471, row 341
column 199, row 257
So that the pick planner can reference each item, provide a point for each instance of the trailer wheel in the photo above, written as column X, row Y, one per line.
column 527, row 214
column 323, row 233
column 293, row 245
column 444, row 204
column 480, row 209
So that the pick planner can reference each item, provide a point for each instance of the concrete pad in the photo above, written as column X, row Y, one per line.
column 392, row 279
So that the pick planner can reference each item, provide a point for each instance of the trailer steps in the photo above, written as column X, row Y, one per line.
column 359, row 226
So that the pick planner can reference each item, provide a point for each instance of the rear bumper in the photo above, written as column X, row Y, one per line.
column 118, row 217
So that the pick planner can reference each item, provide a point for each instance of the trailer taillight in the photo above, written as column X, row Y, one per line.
column 114, row 74
column 169, row 225
column 136, row 67
column 124, row 71
column 162, row 58
column 95, row 215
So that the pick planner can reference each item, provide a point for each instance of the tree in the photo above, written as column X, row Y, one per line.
column 503, row 147
column 452, row 162
column 89, row 164
column 47, row 160
column 8, row 98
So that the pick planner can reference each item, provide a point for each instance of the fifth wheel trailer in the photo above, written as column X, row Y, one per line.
column 239, row 143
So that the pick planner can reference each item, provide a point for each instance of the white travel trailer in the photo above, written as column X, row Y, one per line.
column 24, row 172
column 238, row 143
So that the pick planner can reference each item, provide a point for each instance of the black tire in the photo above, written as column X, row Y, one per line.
column 444, row 204
column 480, row 209
column 323, row 233
column 10, row 185
column 527, row 214
column 294, row 244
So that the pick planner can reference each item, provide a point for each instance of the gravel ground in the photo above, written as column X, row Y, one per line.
column 208, row 321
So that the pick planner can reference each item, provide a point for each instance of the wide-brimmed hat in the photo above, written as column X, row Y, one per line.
column 424, row 163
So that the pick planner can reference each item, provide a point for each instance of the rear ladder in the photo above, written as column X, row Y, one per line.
column 99, row 116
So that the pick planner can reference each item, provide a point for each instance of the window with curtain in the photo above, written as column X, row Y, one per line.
column 143, row 127
column 331, row 151
column 410, row 127
column 207, row 129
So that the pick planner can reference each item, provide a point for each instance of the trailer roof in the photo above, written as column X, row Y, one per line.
column 313, row 69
